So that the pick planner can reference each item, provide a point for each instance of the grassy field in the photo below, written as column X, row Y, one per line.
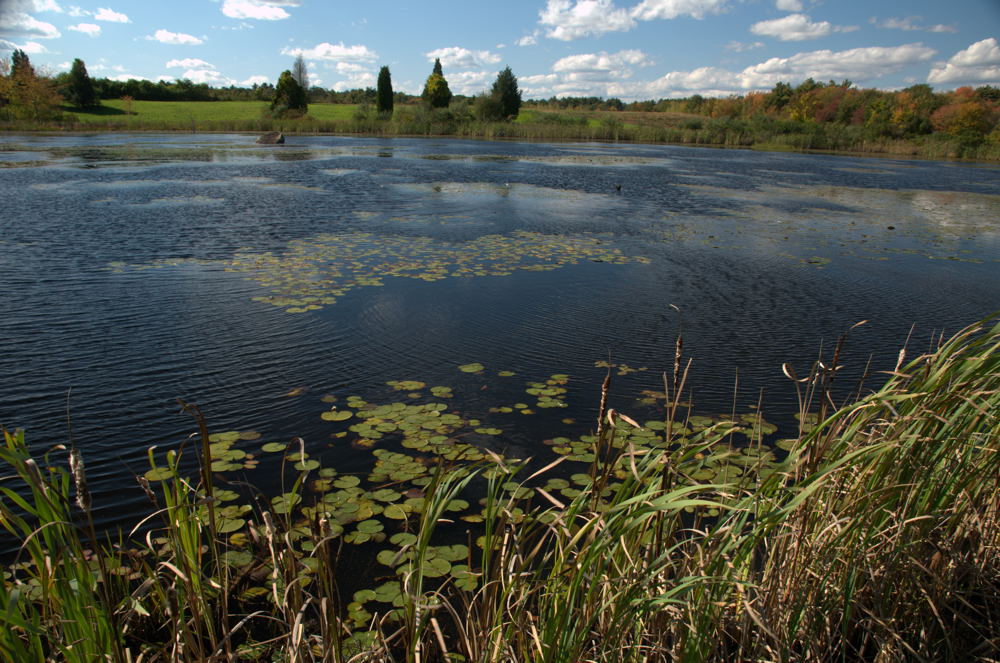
column 194, row 113
column 532, row 124
column 876, row 538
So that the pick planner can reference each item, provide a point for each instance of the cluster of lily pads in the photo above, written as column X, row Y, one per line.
column 410, row 440
column 315, row 272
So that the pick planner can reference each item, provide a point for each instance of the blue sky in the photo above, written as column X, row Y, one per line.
column 631, row 49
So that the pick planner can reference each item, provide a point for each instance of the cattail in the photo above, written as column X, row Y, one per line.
column 79, row 479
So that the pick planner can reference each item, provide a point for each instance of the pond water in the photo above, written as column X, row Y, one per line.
column 269, row 284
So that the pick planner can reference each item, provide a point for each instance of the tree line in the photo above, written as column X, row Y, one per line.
column 969, row 114
column 502, row 102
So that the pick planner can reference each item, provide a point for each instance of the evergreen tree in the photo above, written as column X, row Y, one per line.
column 384, row 98
column 289, row 97
column 436, row 92
column 80, row 91
column 507, row 94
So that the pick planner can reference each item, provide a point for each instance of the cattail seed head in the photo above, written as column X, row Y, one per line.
column 79, row 479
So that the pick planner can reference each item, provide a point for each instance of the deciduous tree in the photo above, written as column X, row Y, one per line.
column 300, row 73
column 24, row 94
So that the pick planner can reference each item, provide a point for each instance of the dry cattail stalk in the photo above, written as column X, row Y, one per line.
column 79, row 474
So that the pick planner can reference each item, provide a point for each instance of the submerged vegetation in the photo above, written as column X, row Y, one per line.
column 872, row 534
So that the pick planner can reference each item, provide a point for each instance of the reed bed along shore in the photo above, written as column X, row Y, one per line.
column 872, row 535
column 762, row 132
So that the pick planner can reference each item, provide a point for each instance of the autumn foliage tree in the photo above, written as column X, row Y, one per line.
column 24, row 95
column 436, row 92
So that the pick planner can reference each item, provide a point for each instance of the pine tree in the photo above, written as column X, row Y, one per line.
column 384, row 94
column 436, row 92
column 80, row 91
column 507, row 94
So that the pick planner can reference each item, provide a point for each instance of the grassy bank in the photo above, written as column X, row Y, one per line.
column 876, row 538
column 764, row 133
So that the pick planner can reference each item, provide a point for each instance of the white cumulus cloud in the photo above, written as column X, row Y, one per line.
column 48, row 6
column 167, row 37
column 111, row 16
column 796, row 27
column 256, row 9
column 29, row 47
column 208, row 76
column 471, row 83
column 788, row 5
column 528, row 40
column 604, row 65
column 335, row 52
column 857, row 64
column 648, row 10
column 462, row 58
column 592, row 75
column 189, row 63
column 90, row 29
column 353, row 81
column 255, row 80
column 573, row 19
column 977, row 64
column 15, row 21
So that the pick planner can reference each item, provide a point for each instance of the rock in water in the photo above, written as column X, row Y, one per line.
column 272, row 138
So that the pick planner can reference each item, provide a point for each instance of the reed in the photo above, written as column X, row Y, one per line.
column 875, row 539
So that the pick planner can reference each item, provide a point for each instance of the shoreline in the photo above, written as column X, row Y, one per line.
column 757, row 147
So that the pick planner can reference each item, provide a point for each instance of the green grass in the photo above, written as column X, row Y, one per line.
column 876, row 539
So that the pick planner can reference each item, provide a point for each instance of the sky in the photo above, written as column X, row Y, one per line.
column 630, row 49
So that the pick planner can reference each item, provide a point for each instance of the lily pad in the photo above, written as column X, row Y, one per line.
column 159, row 474
column 471, row 368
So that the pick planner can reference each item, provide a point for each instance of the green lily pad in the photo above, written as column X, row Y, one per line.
column 452, row 553
column 159, row 474
column 388, row 592
column 274, row 447
column 227, row 525
column 336, row 415
column 370, row 526
column 471, row 368
column 237, row 558
column 436, row 567
column 403, row 539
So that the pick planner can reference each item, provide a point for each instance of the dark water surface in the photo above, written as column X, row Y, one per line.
column 261, row 282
